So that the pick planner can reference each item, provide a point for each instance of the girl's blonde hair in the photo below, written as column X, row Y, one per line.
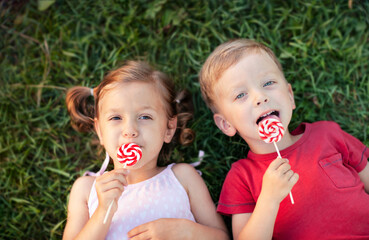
column 82, row 109
column 222, row 58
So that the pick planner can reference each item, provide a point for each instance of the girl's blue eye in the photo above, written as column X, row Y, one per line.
column 268, row 83
column 115, row 118
column 241, row 95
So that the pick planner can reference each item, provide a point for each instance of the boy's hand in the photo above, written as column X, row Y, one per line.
column 278, row 180
column 109, row 187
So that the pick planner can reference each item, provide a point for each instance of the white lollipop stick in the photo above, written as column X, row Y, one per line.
column 279, row 155
column 130, row 154
column 271, row 130
column 108, row 212
column 111, row 204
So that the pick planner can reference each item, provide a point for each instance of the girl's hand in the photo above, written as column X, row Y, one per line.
column 109, row 187
column 278, row 180
column 163, row 228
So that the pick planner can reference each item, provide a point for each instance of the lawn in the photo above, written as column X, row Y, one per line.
column 322, row 45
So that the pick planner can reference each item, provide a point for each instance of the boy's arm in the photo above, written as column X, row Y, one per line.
column 278, row 181
column 364, row 177
column 209, row 224
column 256, row 225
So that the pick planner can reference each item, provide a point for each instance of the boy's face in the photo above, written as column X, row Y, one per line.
column 249, row 90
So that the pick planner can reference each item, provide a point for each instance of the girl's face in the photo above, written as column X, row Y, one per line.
column 134, row 112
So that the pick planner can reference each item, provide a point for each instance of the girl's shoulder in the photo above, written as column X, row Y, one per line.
column 186, row 174
column 82, row 186
column 182, row 169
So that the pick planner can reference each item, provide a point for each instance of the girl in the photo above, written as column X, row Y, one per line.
column 135, row 103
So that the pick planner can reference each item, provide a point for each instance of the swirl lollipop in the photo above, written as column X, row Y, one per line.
column 272, row 130
column 128, row 154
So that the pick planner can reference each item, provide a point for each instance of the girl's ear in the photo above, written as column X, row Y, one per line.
column 224, row 125
column 98, row 131
column 171, row 129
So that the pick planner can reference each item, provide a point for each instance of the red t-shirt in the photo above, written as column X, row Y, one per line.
column 330, row 200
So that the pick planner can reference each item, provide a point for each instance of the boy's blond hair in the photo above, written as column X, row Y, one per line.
column 222, row 58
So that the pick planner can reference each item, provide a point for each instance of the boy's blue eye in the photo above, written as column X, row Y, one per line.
column 145, row 117
column 268, row 83
column 241, row 95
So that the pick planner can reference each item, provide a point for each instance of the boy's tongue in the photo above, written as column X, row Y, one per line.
column 272, row 115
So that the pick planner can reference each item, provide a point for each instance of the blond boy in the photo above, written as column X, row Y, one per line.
column 242, row 82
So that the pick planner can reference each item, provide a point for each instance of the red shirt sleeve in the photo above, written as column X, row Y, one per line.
column 235, row 196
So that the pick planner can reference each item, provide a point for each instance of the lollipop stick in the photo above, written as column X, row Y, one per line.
column 276, row 148
column 108, row 212
column 111, row 204
column 279, row 155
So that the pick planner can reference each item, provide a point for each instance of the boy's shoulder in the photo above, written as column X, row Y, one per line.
column 323, row 124
column 325, row 127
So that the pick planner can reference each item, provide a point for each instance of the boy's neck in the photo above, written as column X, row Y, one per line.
column 260, row 147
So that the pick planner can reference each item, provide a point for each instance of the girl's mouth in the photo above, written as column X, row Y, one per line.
column 272, row 113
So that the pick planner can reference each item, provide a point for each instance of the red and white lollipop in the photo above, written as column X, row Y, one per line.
column 272, row 130
column 129, row 154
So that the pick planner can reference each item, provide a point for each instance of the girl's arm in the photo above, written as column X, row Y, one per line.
column 209, row 224
column 278, row 181
column 79, row 225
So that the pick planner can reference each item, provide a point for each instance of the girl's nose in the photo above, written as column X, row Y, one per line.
column 130, row 134
column 130, row 130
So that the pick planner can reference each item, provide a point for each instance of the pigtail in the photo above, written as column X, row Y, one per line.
column 80, row 106
column 184, row 109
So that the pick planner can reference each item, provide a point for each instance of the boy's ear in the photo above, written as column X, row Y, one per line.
column 98, row 131
column 292, row 98
column 224, row 125
column 171, row 130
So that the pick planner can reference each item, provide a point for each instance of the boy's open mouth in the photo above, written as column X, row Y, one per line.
column 272, row 113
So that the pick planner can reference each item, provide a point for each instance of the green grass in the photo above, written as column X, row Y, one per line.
column 323, row 47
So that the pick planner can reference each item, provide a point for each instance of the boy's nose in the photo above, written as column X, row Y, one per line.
column 261, row 101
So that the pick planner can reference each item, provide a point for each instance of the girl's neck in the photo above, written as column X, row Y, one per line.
column 142, row 173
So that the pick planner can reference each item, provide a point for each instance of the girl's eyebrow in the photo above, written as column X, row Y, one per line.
column 110, row 110
column 116, row 110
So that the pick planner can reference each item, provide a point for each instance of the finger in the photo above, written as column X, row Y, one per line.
column 294, row 178
column 123, row 171
column 111, row 176
column 276, row 163
column 288, row 175
column 284, row 168
column 107, row 186
column 137, row 232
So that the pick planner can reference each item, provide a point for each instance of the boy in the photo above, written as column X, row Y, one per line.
column 242, row 82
